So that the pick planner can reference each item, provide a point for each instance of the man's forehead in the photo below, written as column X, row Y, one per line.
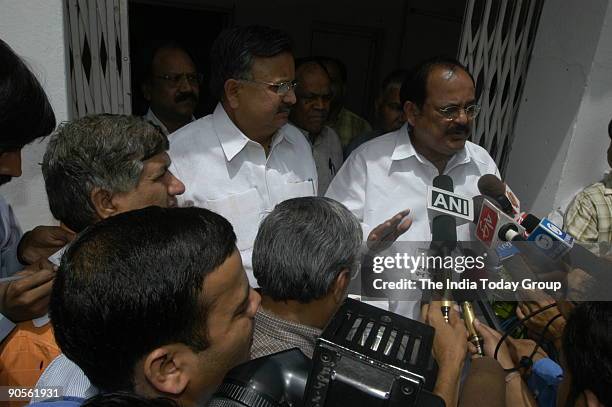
column 313, row 78
column 169, row 58
column 281, row 65
column 160, row 159
column 227, row 283
column 445, row 82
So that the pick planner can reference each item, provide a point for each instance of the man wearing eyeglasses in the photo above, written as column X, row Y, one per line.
column 171, row 86
column 244, row 158
column 392, row 172
column 310, row 113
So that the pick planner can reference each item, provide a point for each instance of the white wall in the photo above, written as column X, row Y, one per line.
column 35, row 30
column 561, row 131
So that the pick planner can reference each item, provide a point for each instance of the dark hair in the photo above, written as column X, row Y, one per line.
column 302, row 246
column 25, row 111
column 338, row 63
column 125, row 399
column 414, row 87
column 311, row 62
column 145, row 58
column 587, row 348
column 132, row 283
column 233, row 51
column 97, row 151
column 396, row 77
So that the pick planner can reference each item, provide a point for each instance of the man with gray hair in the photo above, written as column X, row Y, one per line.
column 96, row 167
column 304, row 255
column 101, row 165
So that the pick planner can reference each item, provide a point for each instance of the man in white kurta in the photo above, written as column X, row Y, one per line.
column 244, row 158
column 393, row 171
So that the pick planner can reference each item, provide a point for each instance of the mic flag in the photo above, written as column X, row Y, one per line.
column 443, row 225
column 441, row 201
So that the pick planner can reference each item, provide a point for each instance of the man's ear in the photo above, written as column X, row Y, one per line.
column 341, row 285
column 103, row 204
column 411, row 111
column 232, row 90
column 165, row 369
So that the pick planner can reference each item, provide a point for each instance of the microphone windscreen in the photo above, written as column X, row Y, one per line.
column 444, row 229
column 491, row 186
column 444, row 182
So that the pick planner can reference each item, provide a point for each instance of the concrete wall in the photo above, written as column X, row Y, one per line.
column 561, row 131
column 35, row 30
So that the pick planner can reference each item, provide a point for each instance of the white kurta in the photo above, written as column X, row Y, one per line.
column 386, row 175
column 225, row 171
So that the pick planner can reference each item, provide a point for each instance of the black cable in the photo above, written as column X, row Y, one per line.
column 517, row 324
column 541, row 335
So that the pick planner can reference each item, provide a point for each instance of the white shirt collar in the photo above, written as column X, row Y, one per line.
column 232, row 139
column 404, row 149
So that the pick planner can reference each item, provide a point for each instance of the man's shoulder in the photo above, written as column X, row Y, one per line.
column 479, row 154
column 353, row 117
column 384, row 144
column 597, row 188
column 192, row 130
column 293, row 135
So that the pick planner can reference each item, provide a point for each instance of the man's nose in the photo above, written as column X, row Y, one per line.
column 289, row 98
column 463, row 117
column 176, row 186
column 185, row 85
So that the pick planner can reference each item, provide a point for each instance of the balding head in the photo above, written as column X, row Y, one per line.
column 313, row 94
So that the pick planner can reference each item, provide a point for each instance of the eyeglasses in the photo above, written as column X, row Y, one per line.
column 453, row 112
column 281, row 89
column 175, row 79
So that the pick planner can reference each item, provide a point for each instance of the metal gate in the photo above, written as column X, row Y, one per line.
column 98, row 56
column 496, row 45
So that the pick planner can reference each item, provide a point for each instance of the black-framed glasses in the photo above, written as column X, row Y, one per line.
column 175, row 79
column 281, row 88
column 453, row 112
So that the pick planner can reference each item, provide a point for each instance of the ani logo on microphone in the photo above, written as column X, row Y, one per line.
column 441, row 201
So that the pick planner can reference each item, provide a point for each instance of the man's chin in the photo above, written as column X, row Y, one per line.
column 456, row 144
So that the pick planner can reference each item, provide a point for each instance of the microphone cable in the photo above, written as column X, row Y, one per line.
column 526, row 361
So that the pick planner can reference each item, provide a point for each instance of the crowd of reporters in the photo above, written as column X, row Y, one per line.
column 150, row 303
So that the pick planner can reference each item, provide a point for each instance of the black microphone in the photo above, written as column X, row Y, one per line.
column 444, row 240
column 444, row 227
column 493, row 187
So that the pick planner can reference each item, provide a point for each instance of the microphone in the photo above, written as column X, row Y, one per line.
column 493, row 225
column 446, row 204
column 441, row 200
column 493, row 187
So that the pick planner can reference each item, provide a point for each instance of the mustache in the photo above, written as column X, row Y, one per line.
column 459, row 128
column 181, row 97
